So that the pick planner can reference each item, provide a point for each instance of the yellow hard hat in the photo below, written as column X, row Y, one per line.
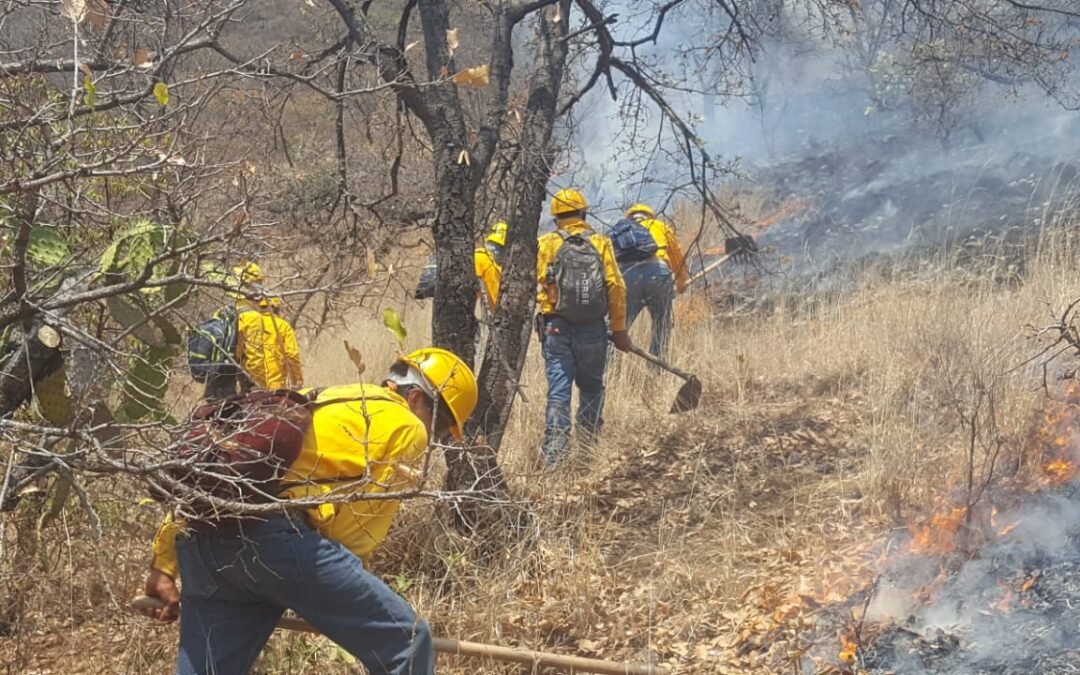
column 248, row 273
column 451, row 378
column 640, row 208
column 568, row 201
column 498, row 234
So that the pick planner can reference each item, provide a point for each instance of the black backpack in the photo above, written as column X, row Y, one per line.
column 578, row 272
column 632, row 241
column 425, row 288
column 212, row 346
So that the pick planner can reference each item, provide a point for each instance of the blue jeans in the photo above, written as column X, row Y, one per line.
column 649, row 285
column 236, row 583
column 573, row 354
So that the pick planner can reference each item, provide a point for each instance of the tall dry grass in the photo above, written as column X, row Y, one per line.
column 642, row 548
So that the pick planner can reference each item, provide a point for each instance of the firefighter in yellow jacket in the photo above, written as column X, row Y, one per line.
column 266, row 346
column 488, row 263
column 581, row 294
column 651, row 283
column 239, row 577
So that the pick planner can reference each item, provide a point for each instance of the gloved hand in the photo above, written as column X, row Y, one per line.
column 161, row 586
column 621, row 340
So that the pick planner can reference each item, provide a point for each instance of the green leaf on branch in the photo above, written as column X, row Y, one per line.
column 392, row 321
column 161, row 93
column 91, row 91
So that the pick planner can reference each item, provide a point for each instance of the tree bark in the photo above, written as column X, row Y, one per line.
column 511, row 329
column 453, row 322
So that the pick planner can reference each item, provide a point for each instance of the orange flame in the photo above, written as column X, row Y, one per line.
column 849, row 649
column 847, row 654
column 939, row 535
column 1008, row 528
column 1029, row 582
column 1060, row 471
column 790, row 208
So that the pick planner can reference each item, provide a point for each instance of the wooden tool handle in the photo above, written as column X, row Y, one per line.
column 479, row 650
column 638, row 351
column 709, row 268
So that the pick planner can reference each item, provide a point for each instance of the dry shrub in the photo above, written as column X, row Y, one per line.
column 823, row 424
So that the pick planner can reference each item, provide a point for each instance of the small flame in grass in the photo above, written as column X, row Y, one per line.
column 849, row 649
column 1008, row 528
column 847, row 654
column 789, row 209
column 939, row 535
column 1029, row 583
column 1060, row 471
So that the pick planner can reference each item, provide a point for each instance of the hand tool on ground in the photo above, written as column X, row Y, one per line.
column 742, row 246
column 536, row 660
column 689, row 395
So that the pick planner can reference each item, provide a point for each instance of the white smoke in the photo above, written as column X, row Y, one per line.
column 800, row 97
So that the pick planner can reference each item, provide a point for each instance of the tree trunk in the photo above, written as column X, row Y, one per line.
column 511, row 328
column 511, row 331
column 453, row 323
column 453, row 319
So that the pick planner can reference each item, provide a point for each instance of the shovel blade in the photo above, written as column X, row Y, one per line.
column 689, row 396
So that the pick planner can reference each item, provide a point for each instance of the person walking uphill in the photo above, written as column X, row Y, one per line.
column 579, row 290
column 653, row 268
column 239, row 575
column 266, row 345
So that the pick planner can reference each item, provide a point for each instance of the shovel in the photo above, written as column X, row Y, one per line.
column 689, row 395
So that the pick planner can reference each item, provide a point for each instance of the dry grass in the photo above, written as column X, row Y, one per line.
column 825, row 425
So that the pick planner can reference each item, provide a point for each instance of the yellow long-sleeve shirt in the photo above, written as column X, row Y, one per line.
column 490, row 274
column 360, row 431
column 266, row 347
column 669, row 250
column 547, row 295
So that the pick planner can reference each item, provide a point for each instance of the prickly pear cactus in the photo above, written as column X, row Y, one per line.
column 53, row 398
column 46, row 248
column 146, row 383
column 134, row 319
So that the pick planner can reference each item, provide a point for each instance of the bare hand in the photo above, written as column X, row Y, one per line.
column 161, row 586
column 621, row 340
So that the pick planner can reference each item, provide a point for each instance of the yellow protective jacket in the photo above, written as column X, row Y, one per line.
column 547, row 295
column 490, row 274
column 266, row 347
column 363, row 439
column 668, row 250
